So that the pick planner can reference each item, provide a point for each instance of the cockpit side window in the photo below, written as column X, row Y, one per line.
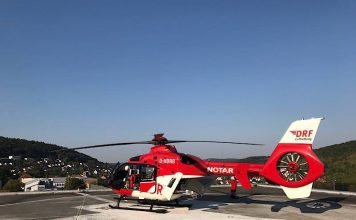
column 147, row 173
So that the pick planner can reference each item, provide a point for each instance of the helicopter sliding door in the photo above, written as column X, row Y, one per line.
column 117, row 177
column 124, row 176
column 148, row 174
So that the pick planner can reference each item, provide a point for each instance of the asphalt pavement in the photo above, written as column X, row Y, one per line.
column 258, row 203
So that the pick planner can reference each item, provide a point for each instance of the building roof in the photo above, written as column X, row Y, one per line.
column 25, row 175
column 59, row 179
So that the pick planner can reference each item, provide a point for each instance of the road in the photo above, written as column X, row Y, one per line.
column 258, row 203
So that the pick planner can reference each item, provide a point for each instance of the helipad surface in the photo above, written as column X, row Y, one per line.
column 260, row 203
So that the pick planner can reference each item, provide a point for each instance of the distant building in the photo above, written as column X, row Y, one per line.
column 46, row 160
column 86, row 174
column 5, row 161
column 34, row 185
column 26, row 178
column 38, row 185
column 58, row 182
column 89, row 182
column 15, row 157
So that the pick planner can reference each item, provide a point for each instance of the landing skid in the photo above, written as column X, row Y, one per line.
column 148, row 202
column 167, row 204
column 161, row 211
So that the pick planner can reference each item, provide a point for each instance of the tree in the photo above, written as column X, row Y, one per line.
column 73, row 183
column 13, row 186
column 102, row 182
column 4, row 175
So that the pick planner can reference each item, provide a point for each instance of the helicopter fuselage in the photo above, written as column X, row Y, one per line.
column 165, row 174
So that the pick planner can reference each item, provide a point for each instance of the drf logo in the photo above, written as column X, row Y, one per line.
column 302, row 133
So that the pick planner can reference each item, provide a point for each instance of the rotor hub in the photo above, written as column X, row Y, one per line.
column 159, row 139
column 293, row 167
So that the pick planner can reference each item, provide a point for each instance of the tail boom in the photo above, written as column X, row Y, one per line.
column 292, row 164
column 242, row 171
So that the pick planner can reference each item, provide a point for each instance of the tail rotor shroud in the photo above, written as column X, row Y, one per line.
column 293, row 167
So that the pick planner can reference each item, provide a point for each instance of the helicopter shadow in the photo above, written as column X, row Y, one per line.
column 317, row 206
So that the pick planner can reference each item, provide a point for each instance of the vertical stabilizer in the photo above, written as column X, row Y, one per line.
column 301, row 131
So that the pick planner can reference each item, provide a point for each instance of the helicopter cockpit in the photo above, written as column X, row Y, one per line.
column 132, row 176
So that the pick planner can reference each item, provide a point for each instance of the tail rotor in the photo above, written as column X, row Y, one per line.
column 293, row 167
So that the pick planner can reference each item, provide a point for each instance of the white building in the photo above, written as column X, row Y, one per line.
column 38, row 185
column 58, row 182
column 26, row 178
column 34, row 185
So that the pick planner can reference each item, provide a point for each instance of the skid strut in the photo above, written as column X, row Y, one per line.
column 117, row 204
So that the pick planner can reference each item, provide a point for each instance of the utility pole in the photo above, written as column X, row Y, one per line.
column 334, row 184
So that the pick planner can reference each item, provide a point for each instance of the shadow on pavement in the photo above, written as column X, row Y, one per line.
column 306, row 206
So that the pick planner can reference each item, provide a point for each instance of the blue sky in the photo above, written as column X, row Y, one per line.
column 78, row 73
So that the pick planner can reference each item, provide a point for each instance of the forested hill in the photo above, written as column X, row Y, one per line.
column 340, row 164
column 37, row 150
column 343, row 151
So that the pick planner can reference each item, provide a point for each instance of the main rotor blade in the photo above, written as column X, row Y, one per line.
column 113, row 144
column 217, row 142
column 157, row 143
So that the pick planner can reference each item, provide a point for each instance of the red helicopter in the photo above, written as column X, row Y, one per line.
column 164, row 174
